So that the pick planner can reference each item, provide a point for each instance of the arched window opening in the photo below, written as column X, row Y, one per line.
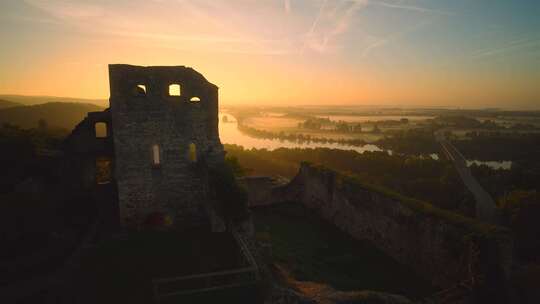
column 156, row 160
column 195, row 99
column 192, row 153
column 175, row 90
column 139, row 90
column 100, row 129
column 103, row 170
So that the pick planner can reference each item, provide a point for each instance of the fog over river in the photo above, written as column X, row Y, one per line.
column 229, row 134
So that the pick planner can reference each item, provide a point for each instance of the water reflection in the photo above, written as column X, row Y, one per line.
column 373, row 118
column 229, row 134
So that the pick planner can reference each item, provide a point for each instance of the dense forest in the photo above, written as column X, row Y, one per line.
column 55, row 115
column 500, row 146
column 8, row 104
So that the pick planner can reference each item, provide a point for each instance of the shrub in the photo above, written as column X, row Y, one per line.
column 231, row 197
column 521, row 210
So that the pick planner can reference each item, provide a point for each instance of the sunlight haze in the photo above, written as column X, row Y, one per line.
column 413, row 52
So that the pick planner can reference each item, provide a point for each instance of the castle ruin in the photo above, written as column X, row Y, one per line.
column 152, row 146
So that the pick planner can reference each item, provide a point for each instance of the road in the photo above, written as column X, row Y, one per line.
column 485, row 205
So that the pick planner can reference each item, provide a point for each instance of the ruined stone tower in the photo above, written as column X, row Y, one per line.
column 165, row 119
column 162, row 133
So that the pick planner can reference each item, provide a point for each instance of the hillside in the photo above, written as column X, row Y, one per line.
column 34, row 100
column 56, row 114
column 8, row 104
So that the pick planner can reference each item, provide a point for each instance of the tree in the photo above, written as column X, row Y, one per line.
column 237, row 169
column 42, row 124
column 231, row 197
column 521, row 211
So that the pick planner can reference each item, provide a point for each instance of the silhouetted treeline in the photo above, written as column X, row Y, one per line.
column 412, row 142
column 500, row 146
column 20, row 150
column 296, row 137
column 58, row 114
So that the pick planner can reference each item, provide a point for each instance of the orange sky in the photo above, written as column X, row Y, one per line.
column 278, row 52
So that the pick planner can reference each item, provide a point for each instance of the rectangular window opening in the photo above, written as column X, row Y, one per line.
column 156, row 161
column 175, row 90
column 192, row 153
column 103, row 170
column 101, row 130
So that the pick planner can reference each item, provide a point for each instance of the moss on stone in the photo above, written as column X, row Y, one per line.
column 424, row 208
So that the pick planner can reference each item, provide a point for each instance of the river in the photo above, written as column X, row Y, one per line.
column 229, row 134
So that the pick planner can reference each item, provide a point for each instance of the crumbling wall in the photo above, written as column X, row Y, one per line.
column 83, row 147
column 145, row 116
column 260, row 189
column 445, row 248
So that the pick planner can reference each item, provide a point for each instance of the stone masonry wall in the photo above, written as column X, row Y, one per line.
column 445, row 251
column 177, row 188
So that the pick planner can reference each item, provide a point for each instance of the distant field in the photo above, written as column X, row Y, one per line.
column 365, row 118
column 289, row 125
column 314, row 250
column 462, row 133
column 273, row 123
column 508, row 121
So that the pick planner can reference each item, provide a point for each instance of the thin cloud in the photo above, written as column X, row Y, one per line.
column 32, row 19
column 375, row 44
column 336, row 22
column 414, row 8
column 378, row 42
column 287, row 6
column 113, row 21
column 509, row 47
column 313, row 26
column 63, row 10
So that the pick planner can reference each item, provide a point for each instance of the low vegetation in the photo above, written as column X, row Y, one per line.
column 314, row 250
column 418, row 177
column 232, row 198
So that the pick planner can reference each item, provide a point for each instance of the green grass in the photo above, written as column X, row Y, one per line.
column 314, row 250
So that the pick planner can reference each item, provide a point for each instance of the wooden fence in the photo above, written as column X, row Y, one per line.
column 246, row 275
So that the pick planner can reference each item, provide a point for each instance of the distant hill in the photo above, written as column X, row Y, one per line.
column 8, row 104
column 57, row 114
column 33, row 100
